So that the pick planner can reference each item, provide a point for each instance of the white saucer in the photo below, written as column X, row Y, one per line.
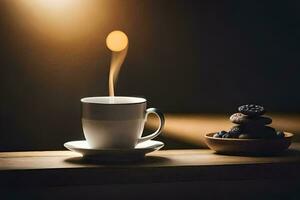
column 138, row 152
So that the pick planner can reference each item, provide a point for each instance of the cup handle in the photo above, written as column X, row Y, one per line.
column 161, row 117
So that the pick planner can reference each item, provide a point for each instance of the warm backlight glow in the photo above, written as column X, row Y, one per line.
column 61, row 20
column 117, row 41
column 56, row 5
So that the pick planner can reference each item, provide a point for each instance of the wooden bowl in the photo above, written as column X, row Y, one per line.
column 248, row 146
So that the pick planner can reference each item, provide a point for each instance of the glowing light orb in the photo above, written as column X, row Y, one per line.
column 117, row 41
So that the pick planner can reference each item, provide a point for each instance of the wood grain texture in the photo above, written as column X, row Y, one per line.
column 191, row 128
column 66, row 168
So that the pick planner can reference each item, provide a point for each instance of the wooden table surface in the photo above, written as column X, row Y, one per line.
column 191, row 128
column 60, row 168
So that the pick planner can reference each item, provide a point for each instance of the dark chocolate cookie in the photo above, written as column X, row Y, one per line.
column 263, row 132
column 252, row 110
column 235, row 131
column 240, row 118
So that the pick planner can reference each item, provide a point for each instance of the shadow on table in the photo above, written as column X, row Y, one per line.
column 286, row 153
column 147, row 160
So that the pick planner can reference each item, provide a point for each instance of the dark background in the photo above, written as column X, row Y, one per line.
column 184, row 57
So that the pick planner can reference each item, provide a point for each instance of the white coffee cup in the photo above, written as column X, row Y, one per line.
column 116, row 122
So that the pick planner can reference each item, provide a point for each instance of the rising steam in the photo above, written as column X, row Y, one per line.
column 117, row 42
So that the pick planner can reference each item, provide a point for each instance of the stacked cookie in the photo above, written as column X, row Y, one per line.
column 250, row 124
